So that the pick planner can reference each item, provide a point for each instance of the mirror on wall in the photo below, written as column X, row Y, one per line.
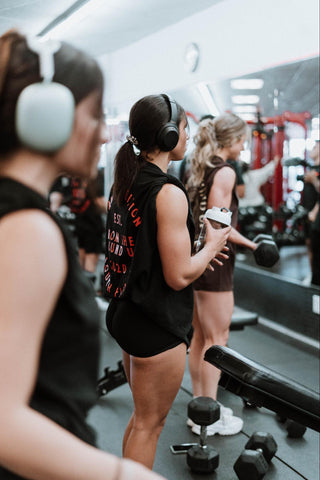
column 281, row 106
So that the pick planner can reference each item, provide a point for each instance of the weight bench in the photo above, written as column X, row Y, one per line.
column 242, row 318
column 264, row 387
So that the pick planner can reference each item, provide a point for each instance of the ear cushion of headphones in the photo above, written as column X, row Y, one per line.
column 168, row 137
column 44, row 116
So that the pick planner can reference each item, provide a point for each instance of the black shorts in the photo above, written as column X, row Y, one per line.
column 89, row 241
column 136, row 334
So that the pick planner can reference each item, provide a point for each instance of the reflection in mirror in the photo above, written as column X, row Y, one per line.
column 281, row 106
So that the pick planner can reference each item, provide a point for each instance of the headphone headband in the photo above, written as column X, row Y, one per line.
column 172, row 107
column 168, row 136
column 45, row 51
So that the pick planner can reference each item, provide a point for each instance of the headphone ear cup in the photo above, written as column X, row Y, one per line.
column 44, row 116
column 168, row 137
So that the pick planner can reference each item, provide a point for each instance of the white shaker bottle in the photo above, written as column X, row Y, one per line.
column 219, row 218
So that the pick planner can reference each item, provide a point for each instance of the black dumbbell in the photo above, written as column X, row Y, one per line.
column 254, row 460
column 203, row 458
column 294, row 429
column 266, row 253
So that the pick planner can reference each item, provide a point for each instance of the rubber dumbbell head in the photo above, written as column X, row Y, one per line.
column 294, row 429
column 251, row 465
column 263, row 441
column 203, row 411
column 267, row 253
column 202, row 459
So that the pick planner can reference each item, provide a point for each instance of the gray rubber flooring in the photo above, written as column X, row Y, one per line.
column 295, row 458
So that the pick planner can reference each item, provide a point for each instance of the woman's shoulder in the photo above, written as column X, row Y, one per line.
column 220, row 167
column 34, row 223
column 171, row 196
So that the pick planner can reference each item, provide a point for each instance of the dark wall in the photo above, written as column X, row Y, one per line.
column 280, row 300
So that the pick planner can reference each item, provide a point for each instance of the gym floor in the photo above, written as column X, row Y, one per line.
column 295, row 458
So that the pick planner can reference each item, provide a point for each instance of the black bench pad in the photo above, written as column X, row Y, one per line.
column 264, row 387
column 242, row 318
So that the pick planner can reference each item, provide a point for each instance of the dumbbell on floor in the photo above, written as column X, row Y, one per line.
column 253, row 463
column 203, row 458
column 294, row 429
column 266, row 253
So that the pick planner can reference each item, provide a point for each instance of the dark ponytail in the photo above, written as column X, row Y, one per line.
column 126, row 166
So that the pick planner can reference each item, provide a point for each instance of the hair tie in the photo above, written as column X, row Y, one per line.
column 131, row 139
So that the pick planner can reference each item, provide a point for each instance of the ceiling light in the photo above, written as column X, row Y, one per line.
column 244, row 109
column 247, row 116
column 208, row 99
column 247, row 83
column 245, row 99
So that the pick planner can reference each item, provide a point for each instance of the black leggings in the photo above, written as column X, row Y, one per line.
column 136, row 334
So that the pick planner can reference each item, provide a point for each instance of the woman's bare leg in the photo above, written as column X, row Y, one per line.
column 126, row 366
column 214, row 312
column 195, row 352
column 155, row 382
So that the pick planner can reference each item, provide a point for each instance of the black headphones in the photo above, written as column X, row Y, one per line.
column 168, row 135
column 45, row 110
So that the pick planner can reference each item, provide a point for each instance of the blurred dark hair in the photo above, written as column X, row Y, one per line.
column 19, row 67
column 147, row 117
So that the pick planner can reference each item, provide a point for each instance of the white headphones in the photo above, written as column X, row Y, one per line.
column 45, row 110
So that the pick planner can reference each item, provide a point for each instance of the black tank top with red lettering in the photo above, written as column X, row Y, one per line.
column 133, row 267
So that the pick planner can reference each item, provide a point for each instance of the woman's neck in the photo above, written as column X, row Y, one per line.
column 33, row 170
column 222, row 153
column 160, row 159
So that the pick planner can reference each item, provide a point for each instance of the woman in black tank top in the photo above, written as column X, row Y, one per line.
column 149, row 267
column 49, row 321
column 214, row 181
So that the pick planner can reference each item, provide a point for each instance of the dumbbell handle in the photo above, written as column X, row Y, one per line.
column 203, row 435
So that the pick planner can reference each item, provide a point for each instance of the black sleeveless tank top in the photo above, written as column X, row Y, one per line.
column 133, row 268
column 66, row 383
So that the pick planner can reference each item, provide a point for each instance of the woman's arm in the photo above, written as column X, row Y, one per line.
column 262, row 174
column 179, row 267
column 220, row 195
column 33, row 270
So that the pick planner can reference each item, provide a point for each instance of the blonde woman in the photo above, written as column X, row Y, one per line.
column 212, row 182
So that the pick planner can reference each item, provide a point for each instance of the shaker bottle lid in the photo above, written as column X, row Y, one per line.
column 222, row 215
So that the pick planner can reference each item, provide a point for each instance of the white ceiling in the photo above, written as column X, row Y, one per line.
column 113, row 24
column 110, row 24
